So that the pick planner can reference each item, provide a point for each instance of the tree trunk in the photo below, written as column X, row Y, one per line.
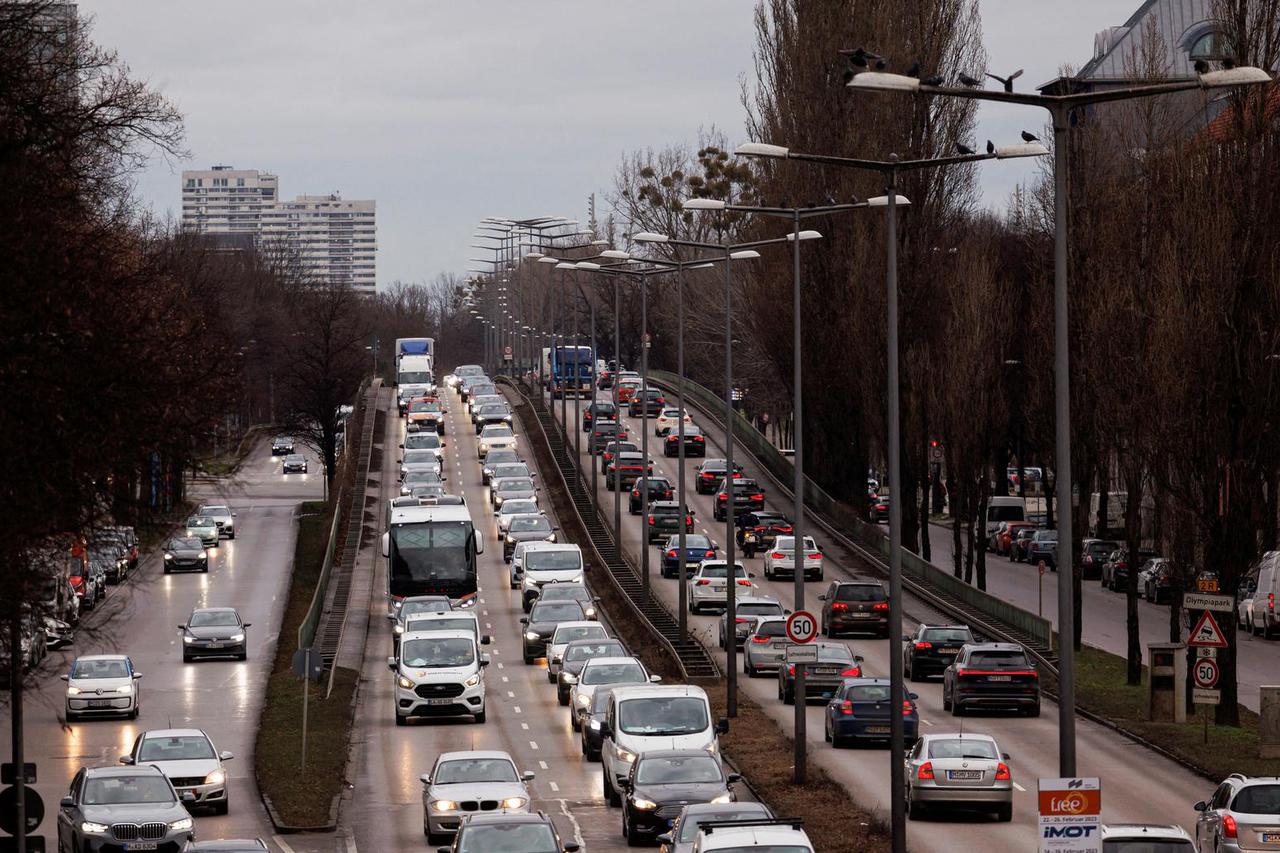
column 1133, row 542
column 968, row 521
column 926, row 549
column 984, row 487
column 957, row 549
column 1080, row 522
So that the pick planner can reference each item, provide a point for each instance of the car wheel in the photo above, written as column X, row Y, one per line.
column 551, row 679
column 166, row 570
column 946, row 699
column 205, row 570
column 747, row 669
column 826, row 730
column 788, row 696
column 1034, row 711
column 826, row 629
column 956, row 709
column 133, row 714
column 915, row 811
column 481, row 717
column 222, row 807
column 528, row 660
column 187, row 658
column 911, row 672
column 609, row 793
column 573, row 720
column 1004, row 813
column 244, row 656
column 562, row 697
column 401, row 721
column 435, row 838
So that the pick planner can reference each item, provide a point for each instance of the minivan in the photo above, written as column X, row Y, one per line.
column 1264, row 617
column 644, row 718
column 1004, row 509
column 548, row 562
column 438, row 674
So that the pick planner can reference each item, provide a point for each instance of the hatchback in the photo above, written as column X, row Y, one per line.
column 860, row 711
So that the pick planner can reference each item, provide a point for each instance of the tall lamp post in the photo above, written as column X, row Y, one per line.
column 1059, row 107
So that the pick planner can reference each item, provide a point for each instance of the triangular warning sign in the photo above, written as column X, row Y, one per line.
column 1207, row 633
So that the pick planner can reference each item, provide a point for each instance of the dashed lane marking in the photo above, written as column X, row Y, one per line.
column 516, row 708
column 543, row 765
column 533, row 744
column 554, row 787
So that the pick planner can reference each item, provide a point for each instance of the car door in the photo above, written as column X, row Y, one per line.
column 1208, row 821
column 67, row 819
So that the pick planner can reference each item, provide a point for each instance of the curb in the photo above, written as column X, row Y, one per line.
column 287, row 829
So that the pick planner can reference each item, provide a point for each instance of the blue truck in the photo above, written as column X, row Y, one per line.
column 568, row 371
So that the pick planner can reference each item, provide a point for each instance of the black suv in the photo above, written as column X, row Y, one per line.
column 932, row 649
column 747, row 495
column 855, row 606
column 991, row 675
column 695, row 442
column 648, row 404
column 710, row 474
column 598, row 411
column 660, row 489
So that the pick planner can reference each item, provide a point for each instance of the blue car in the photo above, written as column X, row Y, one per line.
column 859, row 711
column 697, row 548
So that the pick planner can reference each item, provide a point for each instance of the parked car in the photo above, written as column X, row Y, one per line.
column 1156, row 580
column 991, row 675
column 958, row 771
column 1244, row 604
column 1093, row 553
column 1002, row 540
column 1020, row 542
column 878, row 509
column 1264, row 618
column 1043, row 546
column 1115, row 571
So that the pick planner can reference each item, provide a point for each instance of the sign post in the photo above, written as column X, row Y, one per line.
column 802, row 628
column 1206, row 638
column 1070, row 815
column 1040, row 583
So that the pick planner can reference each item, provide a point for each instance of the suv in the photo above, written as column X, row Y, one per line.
column 601, row 410
column 991, row 675
column 645, row 403
column 281, row 445
column 782, row 834
column 747, row 495
column 1242, row 814
column 660, row 489
column 664, row 521
column 855, row 606
column 710, row 474
column 1043, row 546
column 135, row 805
column 932, row 649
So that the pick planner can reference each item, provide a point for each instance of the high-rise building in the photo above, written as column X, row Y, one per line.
column 223, row 200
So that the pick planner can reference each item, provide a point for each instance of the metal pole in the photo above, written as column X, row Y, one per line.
column 15, row 693
column 617, row 354
column 564, row 388
column 681, row 576
column 594, row 351
column 731, row 597
column 306, row 695
column 577, row 400
column 644, row 433
column 797, row 524
column 1062, row 455
column 897, row 756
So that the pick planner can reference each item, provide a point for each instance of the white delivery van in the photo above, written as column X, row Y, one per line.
column 1265, row 615
column 1004, row 509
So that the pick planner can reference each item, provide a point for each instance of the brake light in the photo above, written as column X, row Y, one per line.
column 1229, row 826
column 702, row 583
column 651, row 519
column 815, row 556
column 759, row 639
column 925, row 771
column 853, row 672
column 846, row 708
column 757, row 497
column 744, row 583
column 688, row 519
column 1271, row 601
column 1002, row 772
column 672, row 553
column 635, row 493
column 711, row 554
column 777, row 555
column 667, row 493
column 880, row 606
column 907, row 709
column 791, row 669
column 923, row 646
column 839, row 607
column 739, row 620
column 707, row 475
column 697, row 438
column 785, row 529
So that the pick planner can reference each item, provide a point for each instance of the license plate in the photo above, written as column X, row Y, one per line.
column 964, row 774
column 877, row 730
column 99, row 703
column 862, row 615
column 1269, row 837
column 825, row 670
column 140, row 845
column 779, row 646
column 215, row 645
column 999, row 678
column 948, row 651
column 439, row 701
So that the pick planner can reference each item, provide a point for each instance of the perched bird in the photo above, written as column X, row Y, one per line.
column 1201, row 66
column 1228, row 62
column 935, row 80
column 880, row 64
column 914, row 70
column 963, row 149
column 1029, row 137
column 991, row 147
column 1007, row 81
column 969, row 81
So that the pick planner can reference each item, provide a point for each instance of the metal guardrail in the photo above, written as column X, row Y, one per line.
column 991, row 615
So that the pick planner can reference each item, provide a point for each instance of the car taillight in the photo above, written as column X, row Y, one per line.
column 1002, row 772
column 635, row 493
column 907, row 708
column 744, row 582
column 923, row 646
column 1271, row 601
column 839, row 607
column 777, row 555
column 791, row 669
column 757, row 497
column 706, row 475
column 853, row 672
column 846, row 708
column 925, row 771
column 1229, row 829
column 688, row 520
column 698, row 438
column 702, row 583
column 759, row 639
column 651, row 519
column 880, row 606
column 667, row 493
column 711, row 554
column 672, row 553
column 739, row 620
column 77, row 583
column 815, row 556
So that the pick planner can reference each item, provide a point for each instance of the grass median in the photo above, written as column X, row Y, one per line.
column 303, row 796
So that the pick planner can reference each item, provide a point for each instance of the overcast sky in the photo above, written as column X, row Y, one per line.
column 446, row 112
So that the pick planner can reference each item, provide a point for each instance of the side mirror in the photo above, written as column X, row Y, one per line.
column 247, row 625
column 569, row 677
column 485, row 639
column 425, row 778
column 233, row 515
column 1003, row 755
column 917, row 696
column 822, row 597
column 126, row 759
column 524, row 620
column 65, row 677
column 401, row 446
column 391, row 617
column 571, row 847
column 400, row 461
column 528, row 775
column 66, row 803
column 136, row 676
column 751, row 574
column 786, row 613
column 1201, row 806
column 182, row 627
column 391, row 664
column 858, row 658
column 386, row 544
column 484, row 660
column 655, row 679
column 819, row 547
column 188, row 797
column 722, row 726
column 479, row 543
column 734, row 777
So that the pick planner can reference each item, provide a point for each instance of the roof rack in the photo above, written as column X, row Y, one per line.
column 711, row 826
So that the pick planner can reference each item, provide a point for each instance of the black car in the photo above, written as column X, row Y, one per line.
column 613, row 448
column 932, row 649
column 660, row 489
column 991, row 675
column 294, row 463
column 766, row 524
column 695, row 442
column 492, row 413
column 1021, row 541
column 710, row 474
column 591, row 723
column 625, row 468
column 282, row 445
column 214, row 632
column 822, row 678
column 1115, row 571
column 747, row 495
column 647, row 403
column 185, row 554
column 664, row 521
column 526, row 528
column 602, row 433
column 1093, row 553
column 531, row 832
column 541, row 623
column 662, row 782
column 575, row 657
column 599, row 410
column 861, row 606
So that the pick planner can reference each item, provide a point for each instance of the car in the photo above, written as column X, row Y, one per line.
column 710, row 474
column 747, row 611
column 222, row 516
column 494, row 437
column 1002, row 540
column 447, row 620
column 564, row 634
column 90, row 584
column 526, row 528
column 575, row 656
column 1146, row 837
column 281, row 445
column 663, row 781
column 190, row 762
column 1243, row 814
column 116, row 563
column 1115, row 571
column 460, row 783
column 603, row 674
column 614, row 448
column 766, row 525
column 486, row 831
column 821, row 678
column 991, row 675
column 664, row 521
column 479, row 401
column 685, row 829
column 510, row 469
column 1093, row 553
column 766, row 646
column 1020, row 542
column 513, row 508
column 496, row 458
column 861, row 606
column 1156, row 580
column 102, row 686
column 1043, row 546
column 697, row 548
column 695, row 442
column 1264, row 618
column 104, row 804
column 878, row 509
column 425, row 441
column 646, row 403
column 668, row 420
column 511, row 488
column 294, row 463
column 860, row 711
column 546, row 563
column 933, row 648
column 214, row 632
column 747, row 495
column 419, row 460
column 588, row 720
column 185, row 554
column 600, row 410
column 422, row 477
column 784, row 834
column 625, row 468
column 414, row 605
column 570, row 592
column 228, row 845
column 602, row 433
column 1244, row 604
column 57, row 634
column 780, row 559
column 203, row 528
column 659, row 489
column 958, row 771
column 438, row 674
column 425, row 414
column 708, row 585
column 543, row 619
column 625, row 389
column 492, row 413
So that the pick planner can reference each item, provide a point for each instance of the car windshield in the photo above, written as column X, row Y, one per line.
column 423, row 477
column 515, row 484
column 721, row 570
column 512, row 470
column 496, row 432
column 665, row 715
column 531, row 524
column 764, row 608
column 860, row 592
column 520, row 506
column 530, row 837
column 283, row 442
column 947, row 635
column 1100, row 549
column 555, row 611
column 998, row 660
column 441, row 623
column 1258, row 799
column 868, row 693
column 569, row 633
column 551, row 561
column 564, row 592
column 435, row 605
column 584, row 651
column 99, row 669
column 214, row 510
column 834, row 653
column 296, row 457
column 494, row 409
column 501, row 457
column 771, row 629
column 694, row 770
column 1046, row 536
column 475, row 770
column 697, row 542
column 424, row 406
column 614, row 673
column 689, row 824
column 422, row 441
column 958, row 748
column 114, row 790
column 437, row 652
column 1005, row 513
column 414, row 377
column 419, row 457
column 180, row 748
column 1138, row 844
column 430, row 490
column 201, row 522
column 213, row 619
column 185, row 543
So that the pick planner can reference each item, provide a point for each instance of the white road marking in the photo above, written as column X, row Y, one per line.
column 1019, row 787
column 533, row 744
column 554, row 787
column 505, row 679
column 511, row 695
column 516, row 708
column 351, row 844
column 280, row 843
column 577, row 830
column 926, row 722
column 542, row 765
column 524, row 726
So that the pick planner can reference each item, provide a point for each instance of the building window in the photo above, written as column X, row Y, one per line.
column 1204, row 42
column 239, row 182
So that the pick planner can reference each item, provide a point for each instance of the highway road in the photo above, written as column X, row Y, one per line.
column 140, row 618
column 1138, row 784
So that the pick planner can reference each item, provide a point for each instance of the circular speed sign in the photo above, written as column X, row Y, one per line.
column 1205, row 673
column 802, row 627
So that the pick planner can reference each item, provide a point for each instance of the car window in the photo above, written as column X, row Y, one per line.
column 771, row 629
column 694, row 770
column 721, row 570
column 516, row 484
column 411, row 607
column 663, row 716
column 419, row 457
column 868, row 693
column 475, row 770
column 497, row 432
column 860, row 592
column 578, row 632
column 552, row 561
column 958, row 748
column 555, row 611
column 113, row 790
column 1258, row 799
column 584, row 651
column 946, row 635
column 437, row 652
column 519, row 506
column 99, row 669
column 689, row 825
column 180, row 748
column 564, row 592
column 442, row 623
column 535, row 523
column 998, row 660
column 614, row 673
column 185, row 543
column 213, row 619
column 759, row 609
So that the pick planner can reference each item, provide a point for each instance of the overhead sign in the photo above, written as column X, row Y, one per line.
column 1070, row 815
column 1207, row 633
column 1202, row 601
column 802, row 627
column 1205, row 673
column 1201, row 696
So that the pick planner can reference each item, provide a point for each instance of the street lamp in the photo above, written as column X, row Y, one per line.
column 1059, row 107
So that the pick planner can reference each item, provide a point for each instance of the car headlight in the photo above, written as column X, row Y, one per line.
column 187, row 638
column 73, row 691
column 646, row 805
column 217, row 777
column 723, row 798
column 532, row 635
column 125, row 688
column 484, row 446
column 511, row 540
column 444, row 806
column 515, row 802
column 626, row 755
column 182, row 824
column 594, row 725
column 499, row 500
column 90, row 826
column 398, row 629
column 404, row 683
column 551, row 538
column 569, row 678
column 237, row 638
column 168, row 556
column 591, row 613
column 583, row 700
column 473, row 680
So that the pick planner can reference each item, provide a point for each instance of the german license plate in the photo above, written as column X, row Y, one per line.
column 825, row 670
column 862, row 616
column 439, row 701
column 877, row 730
column 99, row 703
column 1269, row 837
column 964, row 774
column 215, row 645
column 948, row 651
column 140, row 845
column 779, row 646
column 999, row 678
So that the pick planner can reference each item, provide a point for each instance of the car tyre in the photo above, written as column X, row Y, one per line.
column 1004, row 813
column 481, row 717
column 915, row 811
column 436, row 838
column 222, row 808
column 401, row 721
column 1034, row 711
column 609, row 793
column 946, row 700
column 562, row 698
column 528, row 660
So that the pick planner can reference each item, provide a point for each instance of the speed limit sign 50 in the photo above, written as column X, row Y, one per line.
column 802, row 627
column 1205, row 673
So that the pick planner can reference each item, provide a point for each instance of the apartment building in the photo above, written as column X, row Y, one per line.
column 223, row 200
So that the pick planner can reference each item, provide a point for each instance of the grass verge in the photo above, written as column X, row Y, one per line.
column 1101, row 690
column 303, row 796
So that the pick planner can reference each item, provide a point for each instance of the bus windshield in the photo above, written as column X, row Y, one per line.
column 432, row 556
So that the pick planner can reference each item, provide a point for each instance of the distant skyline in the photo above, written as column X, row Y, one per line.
column 446, row 113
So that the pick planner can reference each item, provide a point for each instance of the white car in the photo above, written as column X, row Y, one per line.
column 424, row 441
column 1144, row 837
column 438, row 674
column 511, row 508
column 548, row 562
column 668, row 419
column 778, row 834
column 420, row 478
column 100, row 686
column 463, row 783
column 602, row 674
column 566, row 633
column 222, row 516
column 781, row 559
column 494, row 437
column 708, row 585
column 446, row 620
column 189, row 760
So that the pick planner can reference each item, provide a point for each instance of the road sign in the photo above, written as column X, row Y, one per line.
column 1207, row 633
column 1070, row 815
column 506, row 353
column 9, row 809
column 1207, row 584
column 35, row 844
column 1205, row 673
column 802, row 627
column 1206, row 652
column 1041, row 566
column 1203, row 696
column 300, row 663
column 807, row 653
column 1202, row 601
column 9, row 775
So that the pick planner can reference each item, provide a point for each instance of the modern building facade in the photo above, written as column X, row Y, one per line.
column 223, row 200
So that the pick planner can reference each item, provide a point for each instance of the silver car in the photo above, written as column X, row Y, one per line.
column 1242, row 815
column 766, row 647
column 511, row 488
column 708, row 586
column 602, row 674
column 566, row 633
column 958, row 771
column 102, row 685
column 494, row 437
column 204, row 529
column 413, row 479
column 222, row 516
column 109, row 809
column 747, row 610
column 419, row 460
column 189, row 760
column 514, row 507
column 466, row 782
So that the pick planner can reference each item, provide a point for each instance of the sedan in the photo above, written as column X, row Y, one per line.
column 526, row 528
column 662, row 782
column 512, row 488
column 958, row 771
column 711, row 473
column 708, row 587
column 614, row 448
column 668, row 421
column 497, row 832
column 623, row 470
column 281, row 445
column 878, row 508
column 214, row 632
column 860, row 711
column 575, row 657
column 696, row 549
column 104, row 801
column 294, row 463
column 747, row 610
column 570, row 592
column 566, row 633
column 494, row 459
column 464, row 782
column 766, row 647
column 420, row 478
column 189, row 760
column 821, row 678
column 185, row 554
column 495, row 437
column 203, row 528
column 695, row 442
column 102, row 685
column 424, row 441
column 600, row 674
column 598, row 411
column 659, row 489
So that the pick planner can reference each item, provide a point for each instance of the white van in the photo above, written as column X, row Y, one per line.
column 1004, row 509
column 438, row 674
column 1264, row 615
column 644, row 718
column 547, row 562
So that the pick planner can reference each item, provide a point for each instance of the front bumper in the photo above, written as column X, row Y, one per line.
column 101, row 706
column 187, row 565
column 211, row 649
column 206, row 795
column 469, row 702
column 106, row 843
column 535, row 648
